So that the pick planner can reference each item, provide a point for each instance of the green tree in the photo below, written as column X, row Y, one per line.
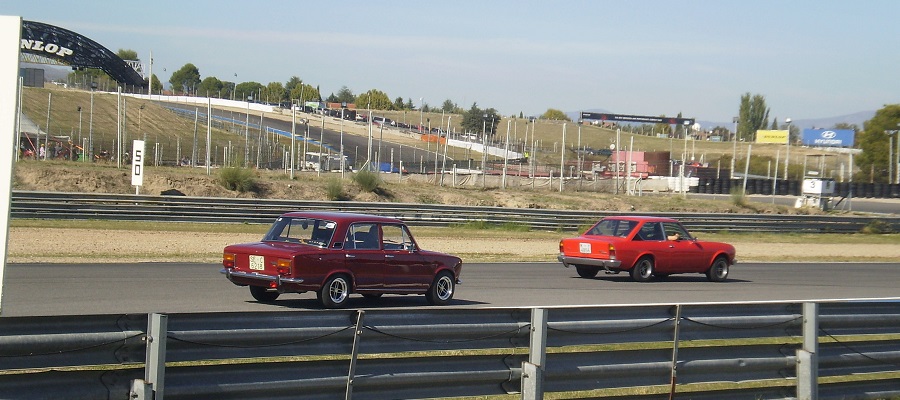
column 245, row 90
column 127, row 54
column 210, row 87
column 374, row 99
column 398, row 103
column 753, row 115
column 155, row 85
column 345, row 95
column 448, row 106
column 554, row 114
column 409, row 104
column 186, row 79
column 478, row 120
column 874, row 141
column 305, row 92
column 289, row 86
column 274, row 92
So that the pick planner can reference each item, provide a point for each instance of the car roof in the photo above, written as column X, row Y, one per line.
column 342, row 217
column 642, row 218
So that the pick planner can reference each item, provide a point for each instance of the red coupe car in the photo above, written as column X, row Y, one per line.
column 336, row 254
column 646, row 247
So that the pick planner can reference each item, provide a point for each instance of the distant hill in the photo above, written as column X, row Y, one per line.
column 857, row 119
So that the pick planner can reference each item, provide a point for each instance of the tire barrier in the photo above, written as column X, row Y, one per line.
column 762, row 186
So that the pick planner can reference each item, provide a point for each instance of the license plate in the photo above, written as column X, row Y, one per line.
column 257, row 263
column 584, row 248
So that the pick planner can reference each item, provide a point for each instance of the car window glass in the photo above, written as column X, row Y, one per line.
column 673, row 228
column 396, row 237
column 362, row 236
column 650, row 231
column 301, row 230
column 612, row 227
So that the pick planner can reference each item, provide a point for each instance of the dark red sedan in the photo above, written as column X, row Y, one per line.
column 336, row 254
column 645, row 247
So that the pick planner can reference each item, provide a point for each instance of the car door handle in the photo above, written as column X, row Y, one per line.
column 671, row 246
column 350, row 256
column 388, row 256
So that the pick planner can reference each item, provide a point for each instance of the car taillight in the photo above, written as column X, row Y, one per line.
column 560, row 246
column 228, row 260
column 612, row 252
column 283, row 266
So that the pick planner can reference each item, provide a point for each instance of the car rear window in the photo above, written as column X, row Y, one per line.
column 612, row 227
column 316, row 232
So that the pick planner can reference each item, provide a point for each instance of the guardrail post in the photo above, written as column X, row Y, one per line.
column 675, row 352
column 151, row 387
column 807, row 361
column 353, row 354
column 533, row 369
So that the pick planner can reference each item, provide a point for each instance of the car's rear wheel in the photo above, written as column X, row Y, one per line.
column 441, row 290
column 263, row 294
column 587, row 272
column 643, row 270
column 335, row 292
column 718, row 271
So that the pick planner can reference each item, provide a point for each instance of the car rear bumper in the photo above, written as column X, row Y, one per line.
column 250, row 278
column 594, row 262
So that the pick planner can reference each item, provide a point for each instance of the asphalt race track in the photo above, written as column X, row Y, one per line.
column 73, row 289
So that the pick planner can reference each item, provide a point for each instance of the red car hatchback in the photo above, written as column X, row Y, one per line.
column 646, row 247
column 336, row 254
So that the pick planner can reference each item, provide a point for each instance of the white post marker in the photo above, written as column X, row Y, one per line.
column 10, row 41
column 137, row 165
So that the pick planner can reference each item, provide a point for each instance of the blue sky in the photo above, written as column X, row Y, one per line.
column 810, row 59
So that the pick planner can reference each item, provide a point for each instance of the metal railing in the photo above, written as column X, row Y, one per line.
column 86, row 206
column 782, row 350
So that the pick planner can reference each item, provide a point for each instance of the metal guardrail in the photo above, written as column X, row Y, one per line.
column 85, row 206
column 735, row 351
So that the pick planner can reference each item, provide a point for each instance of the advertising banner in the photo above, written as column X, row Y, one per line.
column 828, row 137
column 780, row 136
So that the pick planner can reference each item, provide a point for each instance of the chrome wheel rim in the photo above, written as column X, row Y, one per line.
column 721, row 270
column 338, row 291
column 444, row 288
column 645, row 269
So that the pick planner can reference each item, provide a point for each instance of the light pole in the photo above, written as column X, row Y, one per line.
column 421, row 110
column 91, row 125
column 293, row 136
column 79, row 130
column 787, row 157
column 734, row 140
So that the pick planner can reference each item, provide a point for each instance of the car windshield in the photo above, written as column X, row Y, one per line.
column 312, row 231
column 612, row 227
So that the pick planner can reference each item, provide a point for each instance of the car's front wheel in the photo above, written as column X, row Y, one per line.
column 586, row 272
column 335, row 292
column 643, row 270
column 263, row 294
column 718, row 271
column 441, row 290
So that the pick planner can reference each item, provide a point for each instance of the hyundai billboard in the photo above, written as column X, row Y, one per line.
column 828, row 137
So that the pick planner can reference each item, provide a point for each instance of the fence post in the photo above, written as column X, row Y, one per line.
column 151, row 388
column 533, row 369
column 353, row 354
column 807, row 361
column 675, row 352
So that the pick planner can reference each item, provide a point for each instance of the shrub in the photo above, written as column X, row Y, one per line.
column 368, row 181
column 335, row 189
column 877, row 226
column 240, row 179
column 738, row 197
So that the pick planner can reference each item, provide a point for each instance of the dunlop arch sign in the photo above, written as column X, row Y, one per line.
column 50, row 44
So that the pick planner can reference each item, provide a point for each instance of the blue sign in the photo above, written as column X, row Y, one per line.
column 828, row 137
